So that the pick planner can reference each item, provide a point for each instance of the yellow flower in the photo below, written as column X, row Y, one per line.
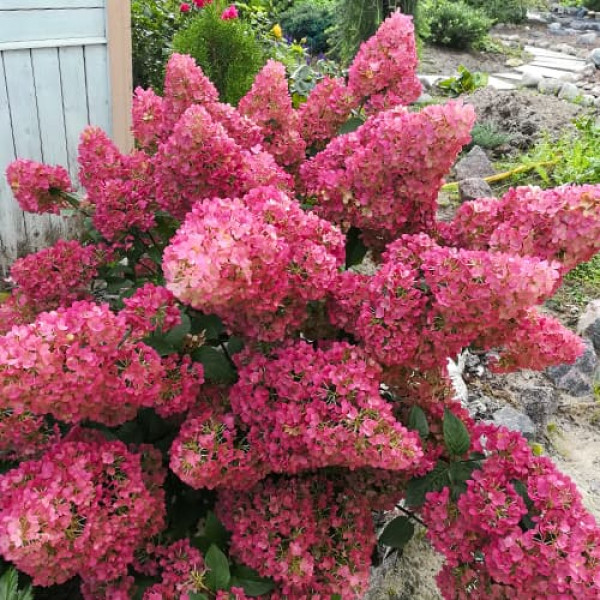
column 276, row 31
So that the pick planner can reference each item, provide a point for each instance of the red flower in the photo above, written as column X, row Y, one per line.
column 229, row 13
column 185, row 7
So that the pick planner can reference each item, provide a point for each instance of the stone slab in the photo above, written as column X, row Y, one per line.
column 500, row 84
column 543, row 71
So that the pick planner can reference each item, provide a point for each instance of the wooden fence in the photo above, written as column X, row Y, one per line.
column 64, row 64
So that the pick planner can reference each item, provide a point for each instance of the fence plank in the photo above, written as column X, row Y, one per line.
column 37, row 4
column 98, row 90
column 37, row 25
column 11, row 217
column 72, row 69
column 26, row 132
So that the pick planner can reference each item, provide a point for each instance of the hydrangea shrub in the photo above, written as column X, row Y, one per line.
column 204, row 399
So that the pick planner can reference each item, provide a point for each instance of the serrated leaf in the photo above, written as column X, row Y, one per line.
column 215, row 532
column 355, row 249
column 218, row 576
column 160, row 344
column 434, row 481
column 417, row 421
column 397, row 533
column 235, row 345
column 250, row 581
column 350, row 125
column 9, row 587
column 210, row 325
column 176, row 335
column 456, row 436
column 217, row 369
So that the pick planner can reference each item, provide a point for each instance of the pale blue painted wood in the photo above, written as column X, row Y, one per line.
column 12, row 226
column 48, row 89
column 74, row 89
column 62, row 4
column 35, row 25
column 98, row 89
column 54, row 80
column 26, row 132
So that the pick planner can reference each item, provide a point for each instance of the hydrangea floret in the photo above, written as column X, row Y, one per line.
column 210, row 394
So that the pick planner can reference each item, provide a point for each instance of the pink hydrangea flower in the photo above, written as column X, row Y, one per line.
column 230, row 13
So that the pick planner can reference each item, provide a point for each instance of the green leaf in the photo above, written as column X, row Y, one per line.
column 417, row 421
column 355, row 249
column 397, row 533
column 218, row 576
column 434, row 481
column 250, row 581
column 215, row 532
column 459, row 473
column 197, row 596
column 456, row 436
column 210, row 325
column 350, row 125
column 9, row 587
column 176, row 336
column 160, row 344
column 235, row 345
column 217, row 368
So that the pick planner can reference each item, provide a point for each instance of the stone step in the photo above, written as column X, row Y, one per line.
column 544, row 71
column 500, row 84
column 554, row 64
column 508, row 75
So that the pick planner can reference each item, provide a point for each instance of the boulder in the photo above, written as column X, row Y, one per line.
column 589, row 323
column 474, row 188
column 530, row 80
column 475, row 164
column 587, row 39
column 550, row 86
column 577, row 379
column 515, row 420
column 569, row 91
column 594, row 57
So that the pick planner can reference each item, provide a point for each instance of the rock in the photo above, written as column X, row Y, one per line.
column 409, row 576
column 540, row 404
column 425, row 83
column 550, row 86
column 424, row 99
column 474, row 188
column 569, row 91
column 514, row 420
column 588, row 100
column 589, row 323
column 577, row 379
column 474, row 165
column 530, row 80
column 514, row 62
column 565, row 49
column 552, row 27
column 594, row 57
column 587, row 39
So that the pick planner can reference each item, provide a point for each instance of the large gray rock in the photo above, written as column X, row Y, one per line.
column 474, row 188
column 550, row 86
column 594, row 57
column 587, row 39
column 474, row 165
column 569, row 91
column 515, row 420
column 540, row 403
column 530, row 80
column 577, row 379
column 589, row 323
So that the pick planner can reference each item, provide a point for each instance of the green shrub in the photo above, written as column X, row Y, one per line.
column 487, row 135
column 502, row 11
column 454, row 24
column 153, row 24
column 308, row 20
column 228, row 51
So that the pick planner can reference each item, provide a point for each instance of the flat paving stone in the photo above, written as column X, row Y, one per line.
column 500, row 84
column 543, row 71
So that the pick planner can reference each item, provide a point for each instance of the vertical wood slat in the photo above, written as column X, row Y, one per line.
column 11, row 217
column 26, row 132
column 118, row 32
column 50, row 91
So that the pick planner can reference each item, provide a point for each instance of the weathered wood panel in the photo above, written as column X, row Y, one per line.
column 64, row 64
